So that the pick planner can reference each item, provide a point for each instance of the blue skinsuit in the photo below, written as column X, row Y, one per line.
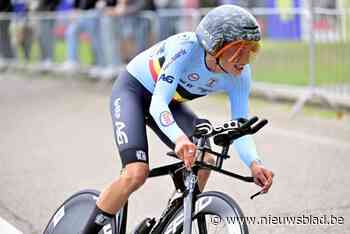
column 175, row 69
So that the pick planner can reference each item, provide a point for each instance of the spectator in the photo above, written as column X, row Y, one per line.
column 245, row 3
column 83, row 22
column 212, row 3
column 242, row 3
column 128, row 17
column 45, row 33
column 190, row 4
column 190, row 21
column 6, row 50
column 24, row 31
column 111, row 39
column 167, row 23
column 63, row 11
column 65, row 5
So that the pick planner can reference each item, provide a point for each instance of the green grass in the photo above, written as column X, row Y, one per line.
column 284, row 62
column 288, row 63
column 348, row 20
column 85, row 53
column 322, row 113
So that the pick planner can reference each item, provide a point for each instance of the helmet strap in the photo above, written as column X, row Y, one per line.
column 217, row 61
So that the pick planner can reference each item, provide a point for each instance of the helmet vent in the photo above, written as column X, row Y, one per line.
column 250, row 28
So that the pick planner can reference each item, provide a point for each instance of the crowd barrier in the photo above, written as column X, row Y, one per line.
column 300, row 47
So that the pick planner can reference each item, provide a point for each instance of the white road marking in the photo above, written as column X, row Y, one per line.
column 7, row 228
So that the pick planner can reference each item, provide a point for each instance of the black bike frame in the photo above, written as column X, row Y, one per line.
column 176, row 170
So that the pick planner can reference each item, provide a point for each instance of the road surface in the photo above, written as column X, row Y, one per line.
column 56, row 139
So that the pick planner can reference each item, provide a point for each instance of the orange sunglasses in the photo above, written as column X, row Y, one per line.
column 251, row 46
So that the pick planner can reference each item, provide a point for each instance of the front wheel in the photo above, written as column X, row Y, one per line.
column 215, row 212
column 72, row 215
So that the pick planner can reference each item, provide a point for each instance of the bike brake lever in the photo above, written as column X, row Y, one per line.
column 256, row 194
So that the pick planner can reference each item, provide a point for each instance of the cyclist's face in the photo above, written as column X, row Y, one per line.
column 234, row 57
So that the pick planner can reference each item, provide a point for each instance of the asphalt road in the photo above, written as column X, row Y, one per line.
column 56, row 139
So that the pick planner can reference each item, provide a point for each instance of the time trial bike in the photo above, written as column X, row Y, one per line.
column 188, row 210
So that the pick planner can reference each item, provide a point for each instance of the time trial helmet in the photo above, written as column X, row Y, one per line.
column 228, row 25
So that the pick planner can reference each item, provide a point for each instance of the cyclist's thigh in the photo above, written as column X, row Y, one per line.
column 183, row 117
column 127, row 112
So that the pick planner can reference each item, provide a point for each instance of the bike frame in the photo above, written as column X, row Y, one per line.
column 185, row 181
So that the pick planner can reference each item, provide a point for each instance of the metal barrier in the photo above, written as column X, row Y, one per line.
column 308, row 50
column 304, row 48
column 332, row 51
column 79, row 41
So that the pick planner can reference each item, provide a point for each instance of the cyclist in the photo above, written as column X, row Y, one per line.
column 156, row 83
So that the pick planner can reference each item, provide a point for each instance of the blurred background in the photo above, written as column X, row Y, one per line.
column 58, row 59
column 306, row 43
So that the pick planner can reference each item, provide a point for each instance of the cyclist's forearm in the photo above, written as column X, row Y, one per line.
column 246, row 149
column 165, row 120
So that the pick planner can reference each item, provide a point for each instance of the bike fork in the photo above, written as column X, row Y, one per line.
column 190, row 183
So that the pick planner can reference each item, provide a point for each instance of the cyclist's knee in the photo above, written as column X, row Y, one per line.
column 134, row 175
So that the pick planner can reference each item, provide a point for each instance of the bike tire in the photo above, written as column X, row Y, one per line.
column 216, row 209
column 70, row 217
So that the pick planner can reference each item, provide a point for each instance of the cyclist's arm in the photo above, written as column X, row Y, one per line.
column 238, row 95
column 165, row 89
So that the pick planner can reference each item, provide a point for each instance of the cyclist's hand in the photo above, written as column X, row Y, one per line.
column 262, row 176
column 186, row 150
